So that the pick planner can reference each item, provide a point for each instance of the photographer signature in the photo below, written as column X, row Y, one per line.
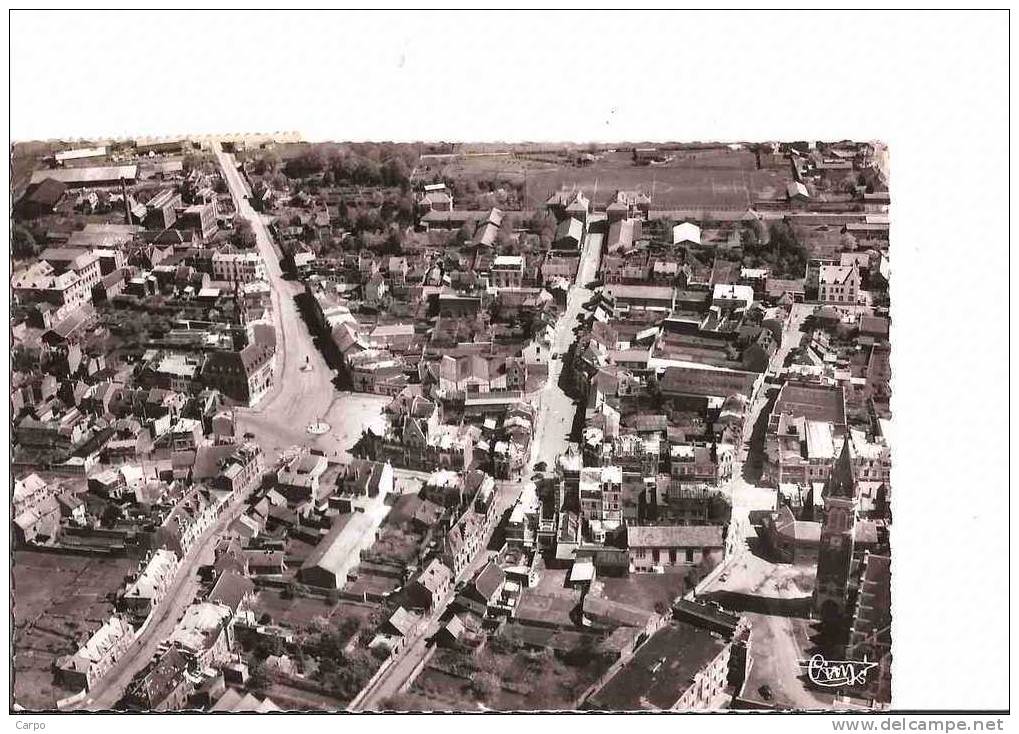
column 837, row 673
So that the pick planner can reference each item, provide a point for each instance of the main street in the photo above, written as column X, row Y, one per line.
column 556, row 409
column 303, row 392
column 299, row 397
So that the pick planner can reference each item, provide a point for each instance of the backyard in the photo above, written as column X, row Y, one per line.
column 58, row 602
column 505, row 679
column 650, row 591
column 303, row 613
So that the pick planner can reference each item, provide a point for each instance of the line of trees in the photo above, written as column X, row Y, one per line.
column 385, row 164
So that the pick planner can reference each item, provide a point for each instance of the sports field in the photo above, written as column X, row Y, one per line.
column 689, row 179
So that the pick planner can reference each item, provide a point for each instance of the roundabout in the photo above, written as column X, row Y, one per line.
column 318, row 428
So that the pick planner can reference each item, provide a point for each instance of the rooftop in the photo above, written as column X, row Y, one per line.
column 660, row 671
column 93, row 174
column 674, row 536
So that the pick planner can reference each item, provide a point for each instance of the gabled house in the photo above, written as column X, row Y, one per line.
column 431, row 586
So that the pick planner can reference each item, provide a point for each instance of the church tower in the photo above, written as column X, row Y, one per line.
column 835, row 556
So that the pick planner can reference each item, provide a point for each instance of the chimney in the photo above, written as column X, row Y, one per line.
column 127, row 204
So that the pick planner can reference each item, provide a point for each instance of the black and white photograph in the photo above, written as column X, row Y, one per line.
column 372, row 363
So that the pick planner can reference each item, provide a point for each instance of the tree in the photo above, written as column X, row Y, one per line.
column 258, row 678
column 110, row 515
column 349, row 627
column 504, row 236
column 193, row 161
column 751, row 234
column 244, row 233
column 784, row 252
column 320, row 623
column 501, row 645
column 543, row 225
column 266, row 646
column 269, row 163
column 463, row 235
column 395, row 172
column 719, row 509
column 393, row 244
column 278, row 180
column 344, row 675
column 484, row 685
column 23, row 242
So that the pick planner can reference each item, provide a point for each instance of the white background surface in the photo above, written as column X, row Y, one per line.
column 933, row 86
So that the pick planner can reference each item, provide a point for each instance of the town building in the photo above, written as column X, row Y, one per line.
column 430, row 586
column 166, row 685
column 94, row 659
column 238, row 267
column 838, row 284
column 838, row 534
column 680, row 668
column 870, row 635
column 146, row 592
column 673, row 547
column 88, row 176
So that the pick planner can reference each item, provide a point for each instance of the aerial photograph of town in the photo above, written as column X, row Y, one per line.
column 450, row 426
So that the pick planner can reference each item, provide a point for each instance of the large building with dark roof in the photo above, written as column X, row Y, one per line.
column 89, row 176
column 695, row 388
column 43, row 198
column 680, row 668
column 244, row 376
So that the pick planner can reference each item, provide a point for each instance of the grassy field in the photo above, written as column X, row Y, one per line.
column 58, row 601
column 372, row 584
column 25, row 158
column 298, row 613
column 291, row 698
column 713, row 178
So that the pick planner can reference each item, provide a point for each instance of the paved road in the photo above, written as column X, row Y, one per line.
column 299, row 397
column 303, row 390
column 792, row 335
column 556, row 410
